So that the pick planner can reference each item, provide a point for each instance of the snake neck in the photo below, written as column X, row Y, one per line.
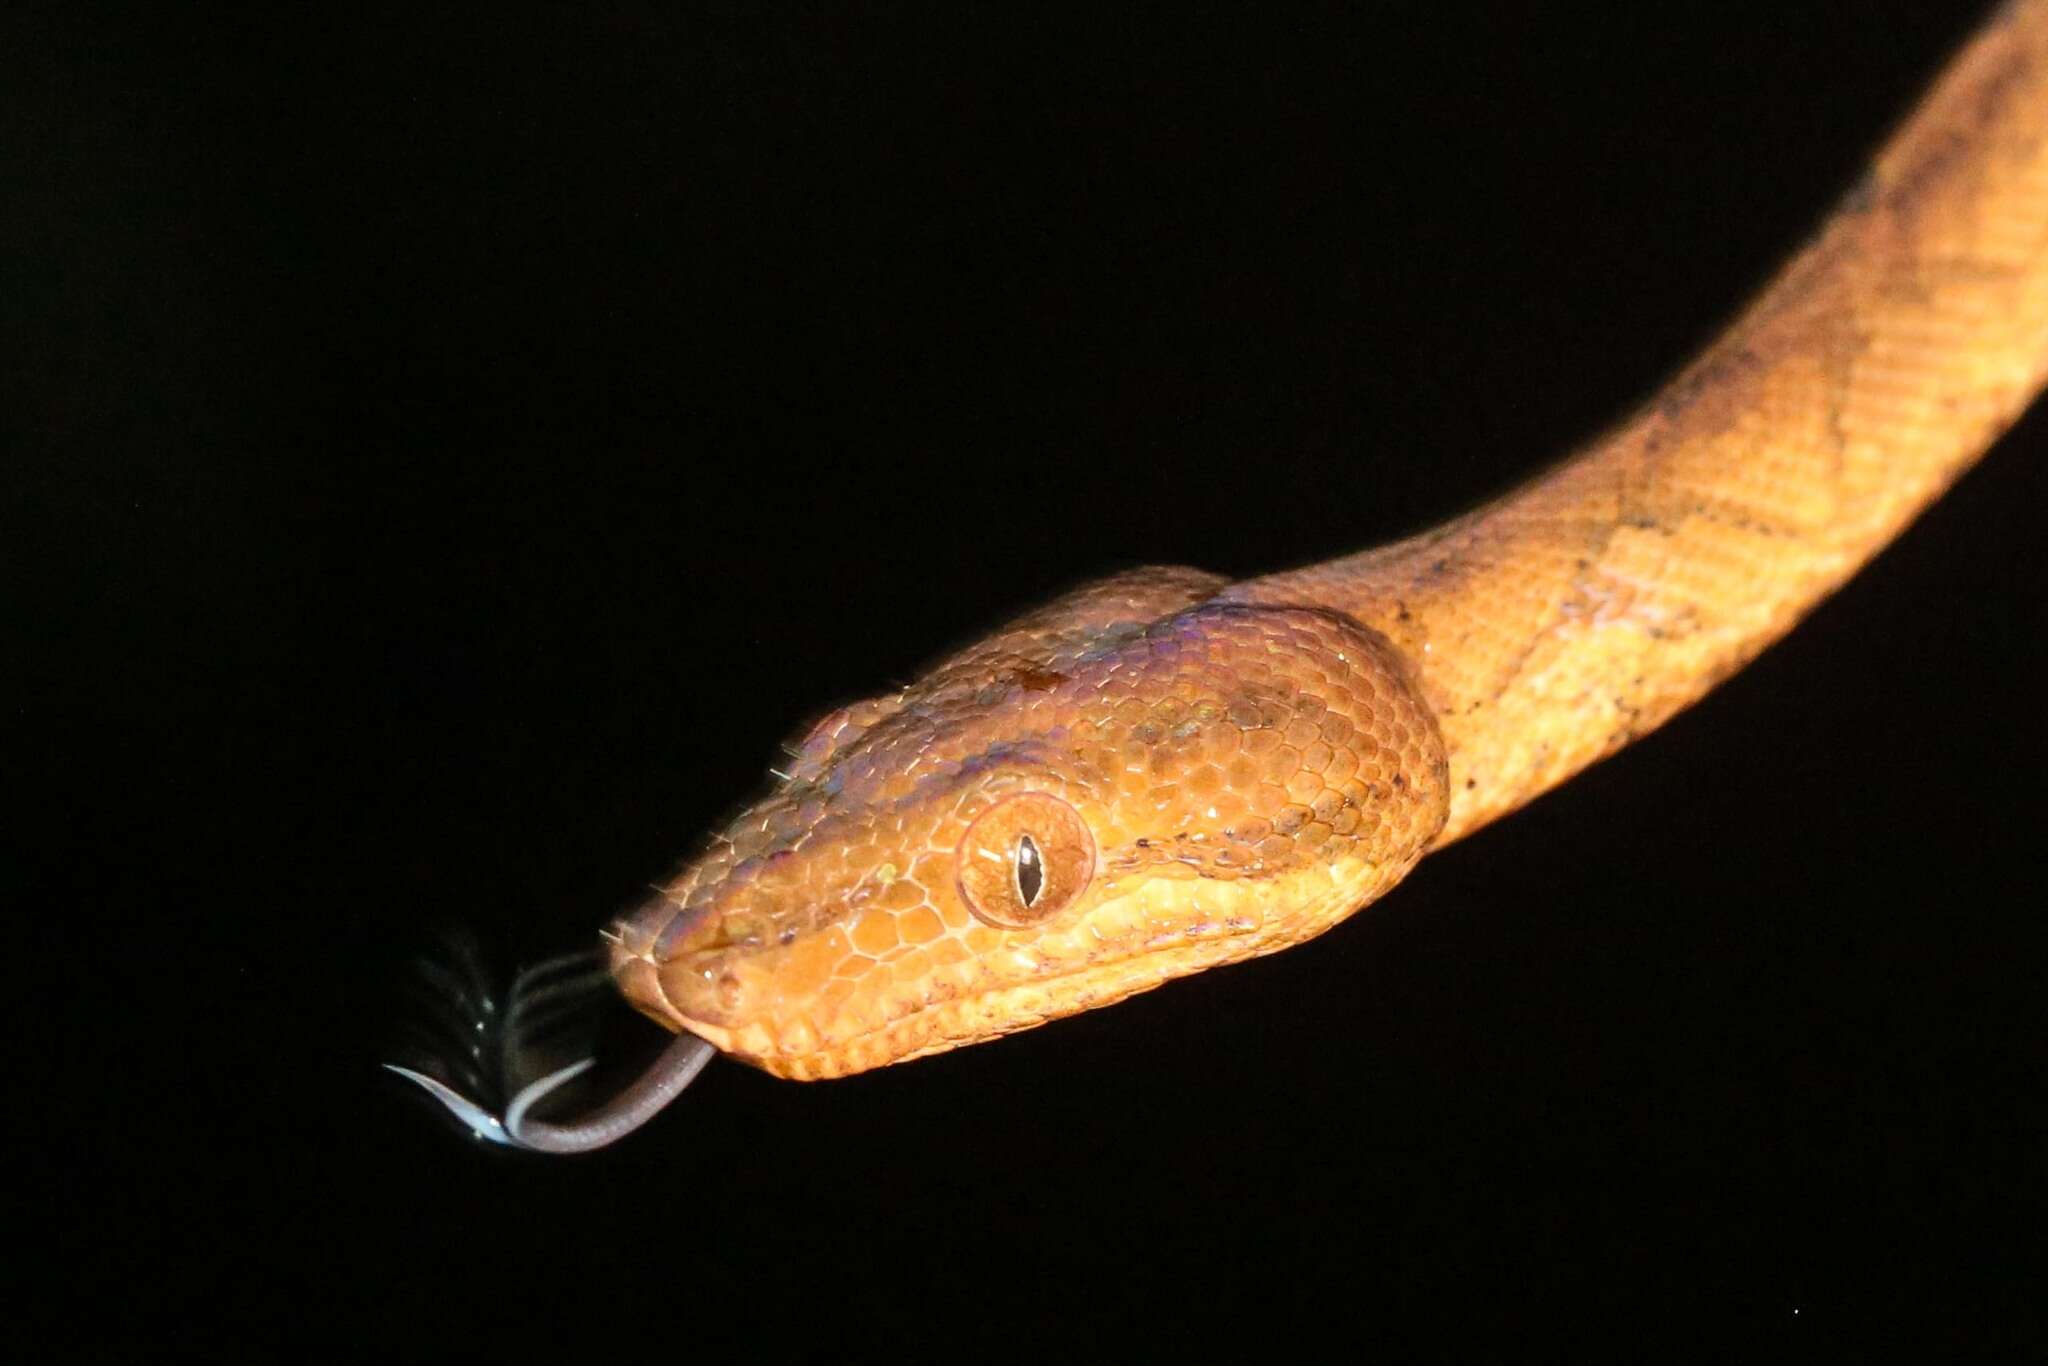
column 1551, row 627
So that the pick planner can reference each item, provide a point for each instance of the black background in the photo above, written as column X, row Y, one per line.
column 450, row 450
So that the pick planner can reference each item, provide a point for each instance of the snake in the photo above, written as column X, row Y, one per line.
column 1166, row 771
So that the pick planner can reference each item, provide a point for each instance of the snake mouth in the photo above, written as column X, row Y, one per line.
column 793, row 1010
column 796, row 1050
column 940, row 1026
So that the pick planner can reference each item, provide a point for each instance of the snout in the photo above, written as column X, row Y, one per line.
column 664, row 959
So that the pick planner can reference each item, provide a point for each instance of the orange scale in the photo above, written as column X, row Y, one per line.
column 833, row 995
column 910, row 966
column 1249, row 830
column 854, row 966
column 780, row 873
column 902, row 895
column 799, row 1037
column 1281, row 765
column 875, row 932
column 809, row 963
column 1164, row 796
column 920, row 926
column 1116, row 831
column 1266, row 798
column 1225, row 806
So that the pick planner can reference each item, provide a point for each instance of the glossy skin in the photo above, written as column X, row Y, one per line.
column 1165, row 771
column 1206, row 781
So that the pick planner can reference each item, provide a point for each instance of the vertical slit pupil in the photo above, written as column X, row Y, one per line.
column 1030, row 870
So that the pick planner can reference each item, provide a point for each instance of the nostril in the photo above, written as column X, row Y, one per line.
column 728, row 987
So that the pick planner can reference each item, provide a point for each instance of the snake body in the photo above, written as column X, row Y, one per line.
column 1165, row 771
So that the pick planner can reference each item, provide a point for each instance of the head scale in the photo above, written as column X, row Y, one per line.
column 1131, row 784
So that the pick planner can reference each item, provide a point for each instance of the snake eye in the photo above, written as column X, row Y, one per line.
column 1024, row 860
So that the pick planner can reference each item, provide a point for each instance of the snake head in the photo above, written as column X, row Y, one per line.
column 1133, row 783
